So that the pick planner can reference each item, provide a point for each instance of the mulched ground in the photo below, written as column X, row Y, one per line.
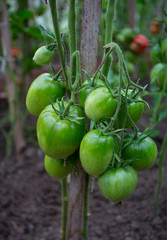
column 30, row 205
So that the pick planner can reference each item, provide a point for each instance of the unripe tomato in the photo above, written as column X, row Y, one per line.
column 135, row 110
column 158, row 74
column 59, row 138
column 164, row 48
column 87, row 90
column 128, row 34
column 43, row 90
column 143, row 153
column 56, row 168
column 96, row 151
column 139, row 44
column 155, row 54
column 43, row 55
column 118, row 184
column 100, row 104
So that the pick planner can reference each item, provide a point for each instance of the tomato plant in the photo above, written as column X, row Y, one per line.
column 158, row 74
column 42, row 91
column 118, row 184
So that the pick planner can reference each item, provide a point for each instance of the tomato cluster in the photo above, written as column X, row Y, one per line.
column 103, row 154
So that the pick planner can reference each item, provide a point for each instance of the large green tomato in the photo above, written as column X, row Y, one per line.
column 56, row 168
column 135, row 110
column 59, row 138
column 100, row 104
column 43, row 90
column 43, row 55
column 143, row 153
column 96, row 151
column 158, row 74
column 87, row 90
column 118, row 184
column 155, row 54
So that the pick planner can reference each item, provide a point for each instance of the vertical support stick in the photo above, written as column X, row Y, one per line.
column 64, row 208
column 88, row 49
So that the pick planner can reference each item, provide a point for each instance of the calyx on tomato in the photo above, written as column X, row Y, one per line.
column 142, row 152
column 57, row 137
column 139, row 44
column 43, row 55
column 117, row 184
column 96, row 151
column 43, row 90
column 100, row 104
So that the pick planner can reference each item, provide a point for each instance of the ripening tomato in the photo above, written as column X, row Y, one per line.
column 117, row 184
column 139, row 44
column 58, row 168
column 87, row 90
column 96, row 151
column 43, row 90
column 158, row 74
column 100, row 104
column 143, row 153
column 59, row 138
column 155, row 27
column 43, row 55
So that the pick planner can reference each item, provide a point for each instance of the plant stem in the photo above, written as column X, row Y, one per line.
column 64, row 208
column 55, row 20
column 86, row 209
column 71, row 26
column 110, row 18
column 160, row 166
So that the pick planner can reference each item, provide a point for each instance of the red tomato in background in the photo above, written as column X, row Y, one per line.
column 139, row 44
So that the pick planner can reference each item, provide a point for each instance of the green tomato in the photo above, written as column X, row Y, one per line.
column 118, row 184
column 135, row 110
column 128, row 34
column 100, row 104
column 87, row 90
column 43, row 55
column 59, row 138
column 164, row 46
column 96, row 151
column 158, row 74
column 43, row 89
column 56, row 167
column 143, row 153
column 155, row 54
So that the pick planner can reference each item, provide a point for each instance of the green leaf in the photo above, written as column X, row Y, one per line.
column 155, row 133
column 46, row 33
column 25, row 14
column 162, row 115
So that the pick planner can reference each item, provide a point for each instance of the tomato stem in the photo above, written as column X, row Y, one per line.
column 53, row 9
column 72, row 27
column 86, row 209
